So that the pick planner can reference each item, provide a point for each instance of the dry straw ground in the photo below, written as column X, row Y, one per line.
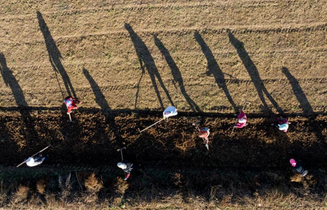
column 149, row 54
column 128, row 60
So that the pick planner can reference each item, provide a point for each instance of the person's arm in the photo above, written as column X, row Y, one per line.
column 69, row 109
column 74, row 106
column 129, row 168
column 76, row 101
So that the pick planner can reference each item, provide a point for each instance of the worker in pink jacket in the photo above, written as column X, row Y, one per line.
column 298, row 168
column 241, row 120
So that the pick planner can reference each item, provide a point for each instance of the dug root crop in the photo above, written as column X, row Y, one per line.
column 244, row 169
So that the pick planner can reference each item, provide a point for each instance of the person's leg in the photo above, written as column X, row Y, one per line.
column 275, row 124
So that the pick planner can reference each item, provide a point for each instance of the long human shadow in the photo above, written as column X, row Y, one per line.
column 297, row 90
column 213, row 68
column 147, row 62
column 305, row 104
column 102, row 102
column 254, row 73
column 176, row 73
column 17, row 91
column 55, row 57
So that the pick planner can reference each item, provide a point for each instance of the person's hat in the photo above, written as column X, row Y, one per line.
column 293, row 162
column 68, row 102
column 121, row 165
column 242, row 120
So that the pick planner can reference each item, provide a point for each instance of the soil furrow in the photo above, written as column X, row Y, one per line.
column 92, row 136
column 225, row 54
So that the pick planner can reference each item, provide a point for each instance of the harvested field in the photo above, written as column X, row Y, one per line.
column 205, row 56
column 127, row 61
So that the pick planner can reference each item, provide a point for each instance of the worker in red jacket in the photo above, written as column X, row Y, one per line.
column 204, row 133
column 71, row 103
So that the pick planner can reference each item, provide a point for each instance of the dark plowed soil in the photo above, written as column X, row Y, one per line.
column 93, row 139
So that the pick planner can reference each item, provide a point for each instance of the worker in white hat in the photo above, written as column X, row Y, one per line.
column 35, row 161
column 126, row 167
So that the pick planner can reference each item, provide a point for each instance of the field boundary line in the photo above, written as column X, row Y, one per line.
column 124, row 7
column 154, row 113
column 249, row 29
